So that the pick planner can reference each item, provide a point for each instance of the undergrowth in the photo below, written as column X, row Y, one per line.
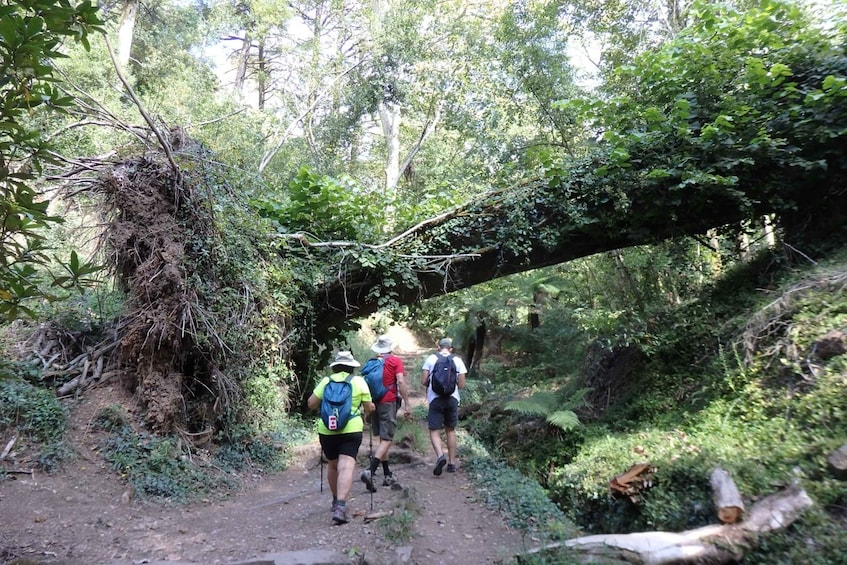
column 521, row 500
column 158, row 470
column 731, row 379
column 35, row 417
column 166, row 469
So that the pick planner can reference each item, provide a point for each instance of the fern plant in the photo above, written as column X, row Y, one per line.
column 556, row 407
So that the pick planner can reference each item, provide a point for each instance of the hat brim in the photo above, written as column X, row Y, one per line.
column 377, row 349
column 352, row 363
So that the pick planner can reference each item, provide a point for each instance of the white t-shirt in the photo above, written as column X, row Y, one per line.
column 430, row 363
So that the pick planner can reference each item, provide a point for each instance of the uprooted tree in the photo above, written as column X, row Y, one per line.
column 221, row 307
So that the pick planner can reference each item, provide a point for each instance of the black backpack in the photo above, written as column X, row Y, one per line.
column 443, row 376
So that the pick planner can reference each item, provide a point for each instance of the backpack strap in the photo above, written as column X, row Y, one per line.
column 353, row 411
column 384, row 357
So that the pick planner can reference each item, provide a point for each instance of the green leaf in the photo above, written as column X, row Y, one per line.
column 564, row 419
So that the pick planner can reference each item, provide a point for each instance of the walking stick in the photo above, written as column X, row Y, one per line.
column 370, row 459
column 322, row 471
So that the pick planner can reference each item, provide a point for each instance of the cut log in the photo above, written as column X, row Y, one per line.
column 71, row 385
column 726, row 497
column 715, row 544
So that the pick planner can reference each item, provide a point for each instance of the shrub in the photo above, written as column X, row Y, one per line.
column 34, row 412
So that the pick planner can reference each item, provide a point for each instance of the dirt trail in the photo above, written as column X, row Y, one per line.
column 83, row 514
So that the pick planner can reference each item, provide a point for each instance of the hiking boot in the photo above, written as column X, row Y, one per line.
column 439, row 465
column 368, row 479
column 389, row 481
column 339, row 515
column 451, row 468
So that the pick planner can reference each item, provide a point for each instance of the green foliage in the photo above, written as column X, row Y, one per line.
column 522, row 500
column 326, row 208
column 557, row 408
column 242, row 446
column 112, row 418
column 31, row 35
column 400, row 525
column 77, row 274
column 36, row 415
column 156, row 468
column 770, row 419
column 32, row 411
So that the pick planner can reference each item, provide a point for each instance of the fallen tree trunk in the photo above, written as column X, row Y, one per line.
column 715, row 544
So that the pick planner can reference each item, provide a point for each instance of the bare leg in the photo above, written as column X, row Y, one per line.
column 346, row 464
column 332, row 477
column 435, row 438
column 452, row 450
column 382, row 449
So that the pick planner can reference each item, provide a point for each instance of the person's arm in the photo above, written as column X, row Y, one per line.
column 365, row 406
column 425, row 378
column 461, row 371
column 314, row 402
column 404, row 392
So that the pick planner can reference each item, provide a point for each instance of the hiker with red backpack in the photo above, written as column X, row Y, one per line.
column 342, row 398
column 443, row 375
column 388, row 389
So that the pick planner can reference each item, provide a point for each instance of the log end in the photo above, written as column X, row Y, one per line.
column 730, row 514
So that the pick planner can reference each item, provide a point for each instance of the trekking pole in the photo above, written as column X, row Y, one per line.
column 322, row 471
column 370, row 459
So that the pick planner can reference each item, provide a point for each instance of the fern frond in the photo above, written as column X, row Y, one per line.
column 564, row 419
column 574, row 400
column 539, row 404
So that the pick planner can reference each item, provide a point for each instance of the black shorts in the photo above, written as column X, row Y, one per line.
column 334, row 445
column 443, row 413
column 385, row 420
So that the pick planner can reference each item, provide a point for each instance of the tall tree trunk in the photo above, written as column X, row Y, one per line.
column 770, row 235
column 261, row 76
column 743, row 243
column 389, row 118
column 627, row 284
column 243, row 63
column 715, row 242
column 126, row 30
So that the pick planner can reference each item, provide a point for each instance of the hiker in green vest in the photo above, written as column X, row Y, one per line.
column 341, row 398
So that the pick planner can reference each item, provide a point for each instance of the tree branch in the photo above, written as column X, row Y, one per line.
column 163, row 143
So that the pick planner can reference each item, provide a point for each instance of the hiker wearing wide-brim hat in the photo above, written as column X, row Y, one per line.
column 342, row 397
column 390, row 369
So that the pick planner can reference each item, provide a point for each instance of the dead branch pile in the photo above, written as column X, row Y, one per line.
column 72, row 360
